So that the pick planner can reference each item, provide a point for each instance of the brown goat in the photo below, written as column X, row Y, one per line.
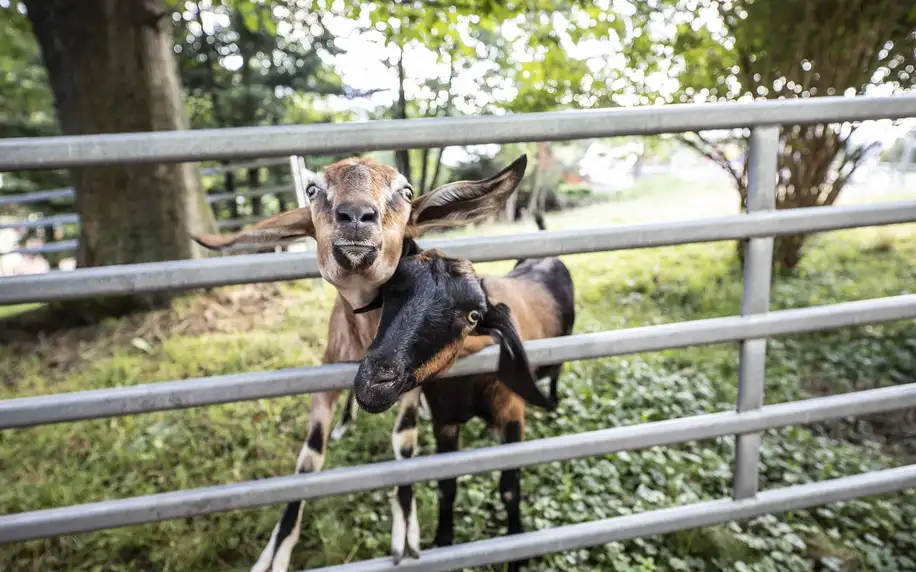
column 359, row 213
column 435, row 309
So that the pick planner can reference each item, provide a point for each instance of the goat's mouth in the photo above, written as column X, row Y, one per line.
column 373, row 404
column 378, row 388
column 354, row 254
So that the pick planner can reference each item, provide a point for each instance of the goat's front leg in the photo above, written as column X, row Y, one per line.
column 349, row 413
column 277, row 553
column 512, row 430
column 405, row 528
column 446, row 442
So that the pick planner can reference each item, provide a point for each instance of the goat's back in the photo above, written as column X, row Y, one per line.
column 540, row 294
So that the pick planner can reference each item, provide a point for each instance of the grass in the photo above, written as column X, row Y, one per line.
column 250, row 328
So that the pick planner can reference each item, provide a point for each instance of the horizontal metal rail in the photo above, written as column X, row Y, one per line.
column 596, row 533
column 286, row 140
column 73, row 218
column 47, row 248
column 246, row 269
column 255, row 164
column 182, row 504
column 68, row 193
column 30, row 411
column 56, row 220
column 257, row 192
column 36, row 196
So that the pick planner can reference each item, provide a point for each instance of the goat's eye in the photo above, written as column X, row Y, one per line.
column 474, row 317
column 407, row 192
column 311, row 190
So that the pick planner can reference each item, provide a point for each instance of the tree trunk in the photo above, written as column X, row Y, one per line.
column 424, row 168
column 401, row 156
column 435, row 180
column 254, row 181
column 535, row 202
column 111, row 69
column 229, row 180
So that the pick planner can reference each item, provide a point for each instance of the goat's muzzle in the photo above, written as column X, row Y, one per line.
column 378, row 386
column 357, row 239
column 354, row 255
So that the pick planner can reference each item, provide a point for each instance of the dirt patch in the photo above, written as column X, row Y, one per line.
column 220, row 310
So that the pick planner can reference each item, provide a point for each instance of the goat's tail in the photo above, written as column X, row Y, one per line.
column 539, row 220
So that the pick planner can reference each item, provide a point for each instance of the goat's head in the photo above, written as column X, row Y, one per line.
column 359, row 212
column 430, row 305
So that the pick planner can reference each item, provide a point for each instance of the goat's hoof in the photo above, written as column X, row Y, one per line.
column 443, row 541
column 413, row 552
column 338, row 432
column 396, row 557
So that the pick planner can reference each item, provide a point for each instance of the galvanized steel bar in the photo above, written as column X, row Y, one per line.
column 596, row 533
column 156, row 276
column 186, row 274
column 48, row 247
column 257, row 192
column 181, row 504
column 256, row 164
column 36, row 197
column 73, row 218
column 324, row 139
column 68, row 193
column 29, row 411
column 296, row 167
column 758, row 264
column 56, row 220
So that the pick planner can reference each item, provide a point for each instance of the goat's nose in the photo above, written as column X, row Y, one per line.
column 359, row 212
column 385, row 374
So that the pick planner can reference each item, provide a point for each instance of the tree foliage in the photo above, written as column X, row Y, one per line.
column 241, row 62
column 27, row 108
column 786, row 49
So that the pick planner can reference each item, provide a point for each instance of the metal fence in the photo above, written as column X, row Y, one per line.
column 72, row 218
column 750, row 329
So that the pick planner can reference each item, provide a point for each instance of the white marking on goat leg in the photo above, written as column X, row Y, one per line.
column 425, row 412
column 413, row 530
column 285, row 550
column 309, row 461
column 405, row 444
column 398, row 529
column 267, row 555
column 278, row 553
column 405, row 528
column 350, row 409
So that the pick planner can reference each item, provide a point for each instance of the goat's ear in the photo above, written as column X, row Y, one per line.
column 277, row 230
column 464, row 202
column 514, row 370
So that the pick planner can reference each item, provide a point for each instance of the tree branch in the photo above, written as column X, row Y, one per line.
column 402, row 157
column 709, row 150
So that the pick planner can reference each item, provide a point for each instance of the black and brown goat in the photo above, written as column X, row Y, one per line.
column 435, row 309
column 359, row 212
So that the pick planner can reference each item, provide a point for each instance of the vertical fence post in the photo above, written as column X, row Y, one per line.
column 295, row 168
column 758, row 263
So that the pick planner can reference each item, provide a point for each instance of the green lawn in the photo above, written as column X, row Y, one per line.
column 265, row 327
